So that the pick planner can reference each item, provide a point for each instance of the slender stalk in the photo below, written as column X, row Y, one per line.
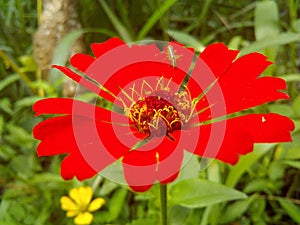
column 163, row 203
column 96, row 182
column 39, row 78
column 293, row 50
column 39, row 10
column 40, row 90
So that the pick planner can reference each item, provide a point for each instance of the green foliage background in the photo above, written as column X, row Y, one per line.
column 263, row 188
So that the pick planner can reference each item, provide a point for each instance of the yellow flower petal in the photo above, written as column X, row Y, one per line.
column 82, row 196
column 86, row 194
column 83, row 219
column 74, row 194
column 67, row 204
column 72, row 213
column 96, row 204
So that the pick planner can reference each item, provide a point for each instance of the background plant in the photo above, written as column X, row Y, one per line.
column 263, row 188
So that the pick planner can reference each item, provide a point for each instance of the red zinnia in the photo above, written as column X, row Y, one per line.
column 163, row 102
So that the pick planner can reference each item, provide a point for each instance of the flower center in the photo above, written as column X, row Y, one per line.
column 154, row 115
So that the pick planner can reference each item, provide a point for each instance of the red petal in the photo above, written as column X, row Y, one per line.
column 128, row 64
column 240, row 135
column 139, row 178
column 218, row 57
column 89, row 141
column 75, row 165
column 100, row 48
column 143, row 166
column 74, row 107
column 81, row 61
column 58, row 138
column 55, row 137
column 265, row 128
column 241, row 87
column 43, row 129
column 238, row 87
column 53, row 106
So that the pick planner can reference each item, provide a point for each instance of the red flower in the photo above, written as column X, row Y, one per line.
column 158, row 111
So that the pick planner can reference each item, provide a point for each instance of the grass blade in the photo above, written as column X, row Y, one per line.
column 8, row 80
column 116, row 22
column 281, row 39
column 154, row 18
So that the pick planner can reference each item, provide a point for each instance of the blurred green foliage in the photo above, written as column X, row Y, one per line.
column 263, row 188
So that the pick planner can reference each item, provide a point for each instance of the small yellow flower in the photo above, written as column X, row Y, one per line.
column 79, row 204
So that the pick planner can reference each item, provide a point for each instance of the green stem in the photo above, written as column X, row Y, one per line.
column 96, row 182
column 39, row 10
column 163, row 203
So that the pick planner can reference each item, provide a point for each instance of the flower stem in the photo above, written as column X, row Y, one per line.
column 163, row 203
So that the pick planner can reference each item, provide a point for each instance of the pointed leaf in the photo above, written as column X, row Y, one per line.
column 196, row 193
column 155, row 17
column 291, row 209
column 281, row 39
column 266, row 20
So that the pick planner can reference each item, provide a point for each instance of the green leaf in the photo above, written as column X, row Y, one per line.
column 236, row 210
column 23, row 169
column 281, row 39
column 114, row 172
column 196, row 193
column 292, row 163
column 296, row 25
column 28, row 63
column 4, row 204
column 296, row 105
column 291, row 77
column 18, row 136
column 258, row 209
column 62, row 50
column 61, row 53
column 6, row 152
column 116, row 203
column 43, row 84
column 6, row 106
column 257, row 185
column 8, row 80
column 47, row 178
column 155, row 17
column 266, row 20
column 178, row 215
column 186, row 39
column 17, row 210
column 291, row 209
column 297, row 125
column 144, row 221
column 276, row 170
column 246, row 162
column 190, row 167
column 284, row 110
column 26, row 102
column 289, row 150
column 235, row 42
column 107, row 187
